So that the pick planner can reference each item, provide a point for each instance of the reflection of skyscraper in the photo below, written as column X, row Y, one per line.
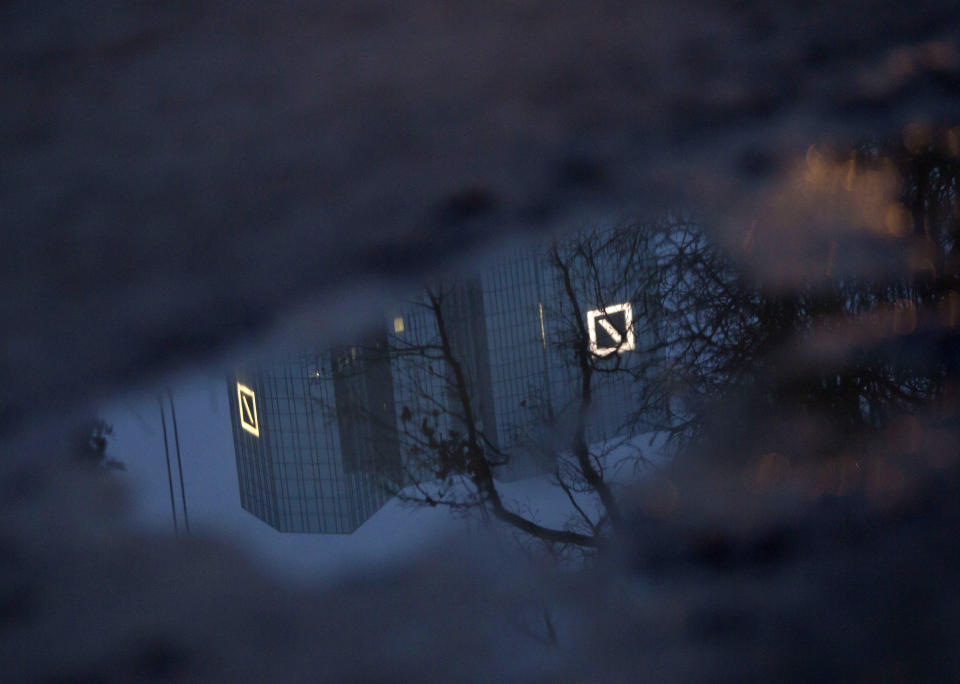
column 364, row 405
column 466, row 320
column 522, row 358
column 304, row 466
column 511, row 328
column 331, row 429
column 535, row 379
column 425, row 386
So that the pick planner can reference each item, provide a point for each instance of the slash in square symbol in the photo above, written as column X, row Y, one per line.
column 611, row 329
column 247, row 402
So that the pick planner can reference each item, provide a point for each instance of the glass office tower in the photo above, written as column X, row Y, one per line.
column 523, row 364
column 511, row 328
column 429, row 407
column 535, row 375
column 321, row 440
column 302, row 465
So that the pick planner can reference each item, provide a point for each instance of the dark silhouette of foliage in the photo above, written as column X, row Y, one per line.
column 852, row 348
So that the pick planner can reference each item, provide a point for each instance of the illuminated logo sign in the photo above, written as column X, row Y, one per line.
column 611, row 329
column 247, row 402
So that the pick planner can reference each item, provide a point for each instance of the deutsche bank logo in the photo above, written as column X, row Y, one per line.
column 247, row 402
column 611, row 329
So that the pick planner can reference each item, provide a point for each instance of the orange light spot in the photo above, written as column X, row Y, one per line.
column 850, row 176
column 897, row 219
column 953, row 141
column 950, row 310
column 816, row 166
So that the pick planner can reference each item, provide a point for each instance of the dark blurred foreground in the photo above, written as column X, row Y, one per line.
column 178, row 177
column 175, row 178
column 845, row 571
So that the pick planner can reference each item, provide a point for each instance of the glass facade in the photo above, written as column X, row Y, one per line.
column 341, row 427
column 536, row 379
column 308, row 470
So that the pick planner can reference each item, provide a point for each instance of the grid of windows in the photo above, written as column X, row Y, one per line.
column 514, row 292
column 320, row 464
column 536, row 383
column 422, row 386
column 292, row 476
column 613, row 397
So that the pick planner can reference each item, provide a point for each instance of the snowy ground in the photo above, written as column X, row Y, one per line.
column 396, row 533
column 725, row 583
column 210, row 479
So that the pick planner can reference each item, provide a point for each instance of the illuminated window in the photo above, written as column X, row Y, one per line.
column 543, row 332
column 611, row 329
column 247, row 403
column 398, row 324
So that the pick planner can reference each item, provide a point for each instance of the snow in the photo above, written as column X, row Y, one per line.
column 398, row 532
